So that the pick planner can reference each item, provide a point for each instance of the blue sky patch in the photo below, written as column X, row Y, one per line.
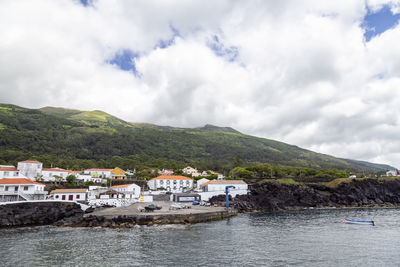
column 379, row 21
column 85, row 2
column 230, row 53
column 170, row 41
column 125, row 60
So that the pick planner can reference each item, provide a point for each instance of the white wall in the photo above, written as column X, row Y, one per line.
column 82, row 196
column 30, row 170
column 132, row 189
column 169, row 185
column 24, row 189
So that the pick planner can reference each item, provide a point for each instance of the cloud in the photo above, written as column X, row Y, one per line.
column 302, row 74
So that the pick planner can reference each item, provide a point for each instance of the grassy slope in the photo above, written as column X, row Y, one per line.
column 98, row 135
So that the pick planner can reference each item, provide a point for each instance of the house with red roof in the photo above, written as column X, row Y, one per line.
column 129, row 190
column 171, row 183
column 21, row 189
column 10, row 172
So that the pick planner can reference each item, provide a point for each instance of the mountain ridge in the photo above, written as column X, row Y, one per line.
column 98, row 138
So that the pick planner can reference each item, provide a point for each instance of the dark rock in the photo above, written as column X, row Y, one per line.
column 37, row 213
column 272, row 196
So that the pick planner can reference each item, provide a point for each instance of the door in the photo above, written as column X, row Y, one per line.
column 71, row 197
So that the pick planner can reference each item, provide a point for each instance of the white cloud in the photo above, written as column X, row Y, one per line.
column 303, row 73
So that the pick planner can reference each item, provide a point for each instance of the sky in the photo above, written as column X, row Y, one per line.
column 323, row 75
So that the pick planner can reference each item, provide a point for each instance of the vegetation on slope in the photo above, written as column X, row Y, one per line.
column 81, row 139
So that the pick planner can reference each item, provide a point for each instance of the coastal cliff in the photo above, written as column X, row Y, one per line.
column 273, row 196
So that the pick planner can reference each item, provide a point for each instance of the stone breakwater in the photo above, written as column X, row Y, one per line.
column 273, row 196
column 70, row 214
column 37, row 213
column 127, row 221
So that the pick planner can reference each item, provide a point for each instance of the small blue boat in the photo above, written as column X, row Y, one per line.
column 349, row 221
column 195, row 203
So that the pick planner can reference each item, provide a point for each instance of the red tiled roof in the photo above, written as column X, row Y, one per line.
column 54, row 169
column 224, row 182
column 72, row 190
column 29, row 161
column 13, row 169
column 107, row 170
column 18, row 181
column 121, row 186
column 171, row 177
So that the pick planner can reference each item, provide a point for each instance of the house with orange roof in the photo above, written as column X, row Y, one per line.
column 52, row 174
column 118, row 174
column 21, row 189
column 129, row 190
column 71, row 194
column 30, row 168
column 10, row 172
column 171, row 183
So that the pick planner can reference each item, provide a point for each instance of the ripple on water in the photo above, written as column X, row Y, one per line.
column 304, row 238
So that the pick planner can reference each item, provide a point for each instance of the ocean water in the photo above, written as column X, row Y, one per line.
column 290, row 238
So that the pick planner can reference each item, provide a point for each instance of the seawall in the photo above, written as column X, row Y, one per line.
column 273, row 196
column 127, row 221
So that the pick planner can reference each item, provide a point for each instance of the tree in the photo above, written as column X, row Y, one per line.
column 237, row 161
column 71, row 179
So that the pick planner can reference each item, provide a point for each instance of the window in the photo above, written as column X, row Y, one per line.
column 161, row 182
column 25, row 188
column 78, row 196
column 6, row 173
column 15, row 188
column 6, row 189
column 16, row 173
column 187, row 182
column 181, row 182
column 57, row 196
column 168, row 181
column 63, row 197
column 175, row 181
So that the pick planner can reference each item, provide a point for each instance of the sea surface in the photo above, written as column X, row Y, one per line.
column 300, row 238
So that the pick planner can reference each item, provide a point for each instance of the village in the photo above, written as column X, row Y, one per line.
column 96, row 187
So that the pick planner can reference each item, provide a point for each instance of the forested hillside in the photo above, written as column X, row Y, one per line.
column 80, row 139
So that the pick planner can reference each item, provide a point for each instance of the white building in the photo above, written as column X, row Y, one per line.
column 220, row 185
column 130, row 190
column 10, row 172
column 392, row 173
column 217, row 187
column 83, row 178
column 74, row 194
column 103, row 173
column 171, row 183
column 191, row 171
column 30, row 168
column 201, row 181
column 52, row 174
column 15, row 189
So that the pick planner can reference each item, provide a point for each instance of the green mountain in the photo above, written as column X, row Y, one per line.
column 80, row 139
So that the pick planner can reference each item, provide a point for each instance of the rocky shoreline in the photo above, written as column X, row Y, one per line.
column 274, row 196
column 266, row 197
